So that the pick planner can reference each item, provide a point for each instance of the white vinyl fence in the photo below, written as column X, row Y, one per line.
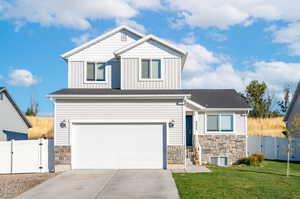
column 26, row 156
column 274, row 148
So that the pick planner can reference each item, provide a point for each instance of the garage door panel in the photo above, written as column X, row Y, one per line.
column 107, row 146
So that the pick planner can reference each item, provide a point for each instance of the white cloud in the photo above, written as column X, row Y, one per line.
column 132, row 24
column 72, row 13
column 22, row 77
column 81, row 39
column 289, row 35
column 205, row 69
column 190, row 38
column 217, row 36
column 225, row 13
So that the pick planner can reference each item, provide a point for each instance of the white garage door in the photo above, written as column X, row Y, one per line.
column 118, row 146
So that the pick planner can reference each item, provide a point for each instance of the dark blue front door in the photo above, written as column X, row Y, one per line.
column 189, row 130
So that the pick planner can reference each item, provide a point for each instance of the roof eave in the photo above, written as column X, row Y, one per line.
column 149, row 96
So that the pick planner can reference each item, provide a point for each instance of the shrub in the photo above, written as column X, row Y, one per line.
column 252, row 160
column 260, row 157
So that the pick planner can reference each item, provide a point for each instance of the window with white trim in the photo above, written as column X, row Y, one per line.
column 150, row 69
column 95, row 72
column 220, row 123
column 219, row 161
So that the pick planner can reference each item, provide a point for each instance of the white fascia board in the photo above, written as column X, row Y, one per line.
column 194, row 104
column 97, row 39
column 149, row 37
column 118, row 96
column 146, row 38
column 228, row 109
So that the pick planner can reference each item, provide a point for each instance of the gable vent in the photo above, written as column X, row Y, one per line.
column 123, row 36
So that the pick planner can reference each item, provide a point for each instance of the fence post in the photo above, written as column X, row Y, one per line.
column 41, row 143
column 11, row 156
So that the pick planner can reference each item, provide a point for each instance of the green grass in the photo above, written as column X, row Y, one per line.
column 268, row 181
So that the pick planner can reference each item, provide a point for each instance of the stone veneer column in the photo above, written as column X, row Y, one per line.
column 176, row 157
column 231, row 146
column 62, row 158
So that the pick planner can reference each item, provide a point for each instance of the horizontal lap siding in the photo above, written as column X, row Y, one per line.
column 171, row 75
column 96, row 110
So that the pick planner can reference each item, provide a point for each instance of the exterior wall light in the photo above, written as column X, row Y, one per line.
column 63, row 124
column 171, row 124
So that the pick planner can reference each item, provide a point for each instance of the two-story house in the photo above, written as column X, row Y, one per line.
column 124, row 108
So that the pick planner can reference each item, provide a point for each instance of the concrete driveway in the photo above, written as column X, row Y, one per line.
column 108, row 184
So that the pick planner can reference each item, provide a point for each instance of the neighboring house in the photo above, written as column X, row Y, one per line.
column 13, row 124
column 124, row 108
column 294, row 108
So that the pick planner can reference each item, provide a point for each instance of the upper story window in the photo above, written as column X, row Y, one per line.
column 220, row 123
column 150, row 69
column 1, row 96
column 95, row 72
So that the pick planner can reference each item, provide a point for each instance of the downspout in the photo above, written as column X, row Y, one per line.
column 184, row 129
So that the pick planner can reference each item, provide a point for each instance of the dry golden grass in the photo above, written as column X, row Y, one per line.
column 266, row 126
column 42, row 127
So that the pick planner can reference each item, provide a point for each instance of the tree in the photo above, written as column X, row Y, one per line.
column 33, row 109
column 257, row 98
column 284, row 103
column 290, row 133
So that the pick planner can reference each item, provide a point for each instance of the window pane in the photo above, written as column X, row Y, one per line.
column 223, row 161
column 156, row 69
column 212, row 123
column 90, row 72
column 226, row 122
column 214, row 160
column 100, row 72
column 145, row 68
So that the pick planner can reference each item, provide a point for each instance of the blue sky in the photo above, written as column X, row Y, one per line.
column 229, row 42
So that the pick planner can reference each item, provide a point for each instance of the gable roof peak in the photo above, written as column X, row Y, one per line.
column 99, row 38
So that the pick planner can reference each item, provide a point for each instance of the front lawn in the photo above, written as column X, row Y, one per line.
column 268, row 181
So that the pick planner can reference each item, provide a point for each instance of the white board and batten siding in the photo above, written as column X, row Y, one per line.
column 170, row 64
column 76, row 75
column 133, row 110
column 103, row 51
column 171, row 78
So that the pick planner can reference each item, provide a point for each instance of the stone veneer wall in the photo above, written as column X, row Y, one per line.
column 231, row 146
column 62, row 155
column 176, row 154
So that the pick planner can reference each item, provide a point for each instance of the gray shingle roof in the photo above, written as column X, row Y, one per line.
column 209, row 98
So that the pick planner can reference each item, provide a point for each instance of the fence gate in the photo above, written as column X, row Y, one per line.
column 26, row 156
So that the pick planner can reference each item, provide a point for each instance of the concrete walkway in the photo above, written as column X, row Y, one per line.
column 107, row 184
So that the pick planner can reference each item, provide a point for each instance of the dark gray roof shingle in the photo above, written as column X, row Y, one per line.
column 210, row 98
